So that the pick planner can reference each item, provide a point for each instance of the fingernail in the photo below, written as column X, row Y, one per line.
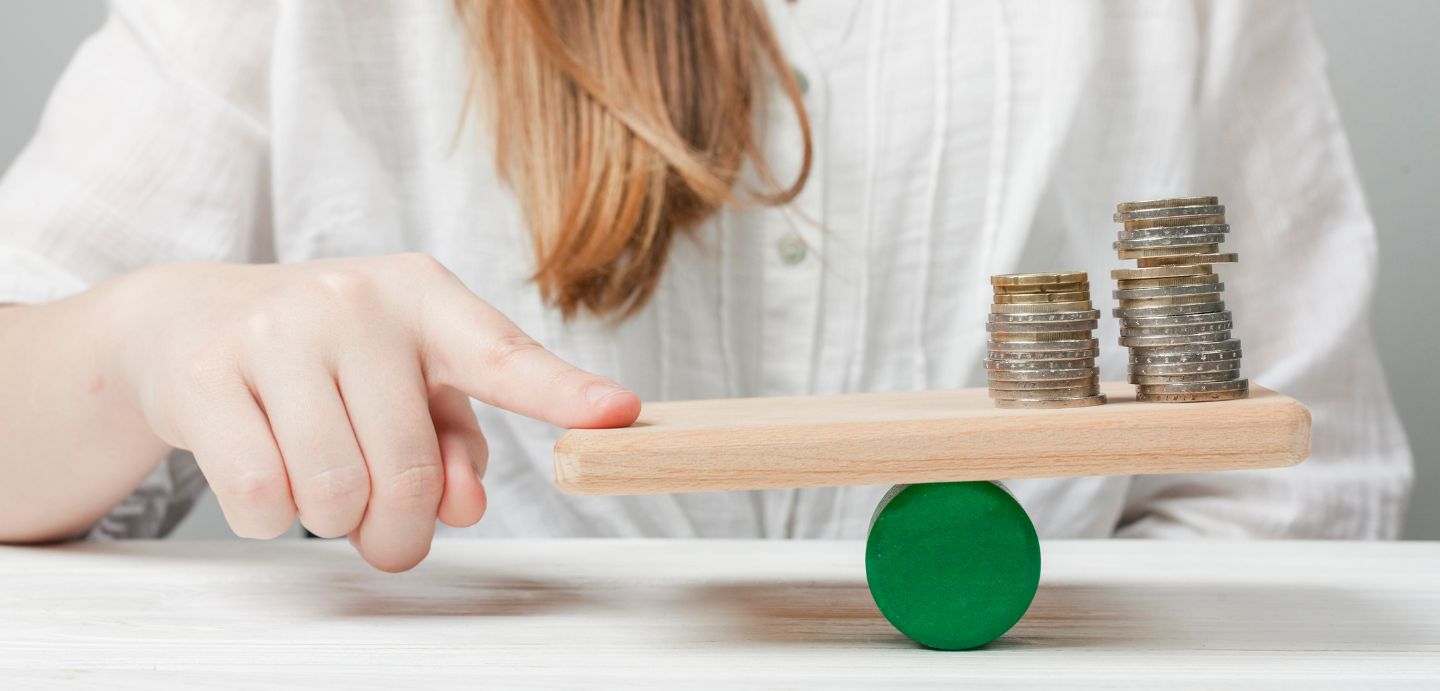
column 597, row 393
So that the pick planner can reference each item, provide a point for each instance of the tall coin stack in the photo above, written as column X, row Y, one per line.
column 1170, row 312
column 1042, row 354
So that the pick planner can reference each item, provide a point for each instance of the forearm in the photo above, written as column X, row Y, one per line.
column 72, row 444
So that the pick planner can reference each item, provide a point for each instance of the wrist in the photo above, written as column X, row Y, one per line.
column 114, row 328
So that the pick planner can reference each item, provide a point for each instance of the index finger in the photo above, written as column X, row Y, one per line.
column 470, row 345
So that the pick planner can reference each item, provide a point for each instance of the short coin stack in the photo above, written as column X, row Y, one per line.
column 1042, row 354
column 1170, row 312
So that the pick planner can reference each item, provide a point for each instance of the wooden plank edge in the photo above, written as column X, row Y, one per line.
column 761, row 464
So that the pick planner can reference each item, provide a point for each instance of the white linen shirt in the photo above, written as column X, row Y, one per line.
column 953, row 140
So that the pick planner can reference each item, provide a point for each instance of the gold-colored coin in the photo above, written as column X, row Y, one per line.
column 1081, row 402
column 1039, row 277
column 1197, row 387
column 1162, row 272
column 1172, row 300
column 1223, row 258
column 1043, row 288
column 1172, row 282
column 1166, row 203
column 1033, row 298
column 1175, row 221
column 1041, row 348
column 1036, row 327
column 1183, row 378
column 1042, row 308
column 1041, row 337
column 1175, row 251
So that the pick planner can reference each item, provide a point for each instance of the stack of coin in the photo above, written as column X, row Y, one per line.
column 1170, row 312
column 1042, row 354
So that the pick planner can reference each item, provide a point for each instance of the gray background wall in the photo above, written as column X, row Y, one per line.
column 1385, row 67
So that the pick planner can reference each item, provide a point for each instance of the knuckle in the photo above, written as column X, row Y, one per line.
column 510, row 347
column 344, row 289
column 207, row 376
column 257, row 490
column 337, row 489
column 261, row 325
column 421, row 483
column 419, row 263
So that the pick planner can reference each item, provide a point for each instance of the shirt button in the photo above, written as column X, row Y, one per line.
column 792, row 250
column 801, row 80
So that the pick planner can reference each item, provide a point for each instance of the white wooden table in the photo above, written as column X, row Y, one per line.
column 688, row 614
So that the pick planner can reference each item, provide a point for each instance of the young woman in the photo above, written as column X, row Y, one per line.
column 294, row 239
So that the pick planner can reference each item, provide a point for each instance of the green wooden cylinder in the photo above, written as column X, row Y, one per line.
column 952, row 565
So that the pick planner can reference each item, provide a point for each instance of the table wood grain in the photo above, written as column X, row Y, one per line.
column 922, row 436
column 579, row 614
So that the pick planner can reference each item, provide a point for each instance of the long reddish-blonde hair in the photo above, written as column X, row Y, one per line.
column 620, row 123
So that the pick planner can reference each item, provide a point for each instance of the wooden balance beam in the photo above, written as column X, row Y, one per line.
column 922, row 436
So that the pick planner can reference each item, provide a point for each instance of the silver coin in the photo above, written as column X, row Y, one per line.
column 1172, row 231
column 1173, row 368
column 1023, row 365
column 1086, row 315
column 1175, row 221
column 1037, row 375
column 1167, row 310
column 1177, row 320
column 1162, row 272
column 1196, row 387
column 1152, row 341
column 1172, row 291
column 1040, row 346
column 1043, row 307
column 1232, row 345
column 1046, row 394
column 1043, row 384
column 1167, row 242
column 1177, row 330
column 1202, row 397
column 1206, row 210
column 1041, row 327
column 1213, row 357
column 1044, row 355
column 1184, row 378
column 1081, row 402
column 1166, row 203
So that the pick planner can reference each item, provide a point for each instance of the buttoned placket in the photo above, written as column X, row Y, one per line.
column 793, row 235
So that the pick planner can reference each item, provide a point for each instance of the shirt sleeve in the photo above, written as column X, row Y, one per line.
column 153, row 148
column 1272, row 144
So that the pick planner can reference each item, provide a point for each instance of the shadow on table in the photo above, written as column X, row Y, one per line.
column 1219, row 617
column 1151, row 617
column 815, row 613
column 455, row 597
